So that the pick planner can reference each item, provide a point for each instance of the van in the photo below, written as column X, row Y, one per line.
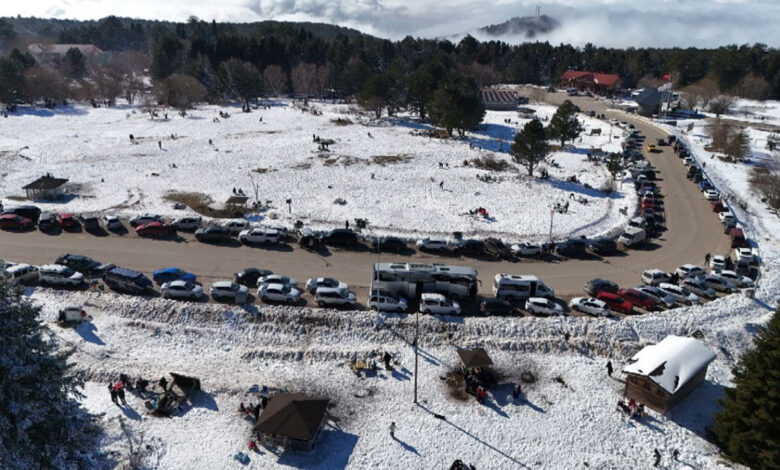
column 21, row 274
column 520, row 287
column 638, row 222
column 632, row 236
column 59, row 275
column 334, row 296
column 654, row 277
column 737, row 238
column 126, row 280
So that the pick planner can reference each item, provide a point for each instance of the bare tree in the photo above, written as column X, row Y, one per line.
column 131, row 67
column 275, row 78
column 753, row 87
column 766, row 180
column 721, row 105
column 46, row 84
column 321, row 79
column 483, row 74
column 108, row 83
column 180, row 91
column 704, row 90
column 304, row 79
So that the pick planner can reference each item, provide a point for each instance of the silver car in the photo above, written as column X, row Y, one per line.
column 227, row 291
column 181, row 290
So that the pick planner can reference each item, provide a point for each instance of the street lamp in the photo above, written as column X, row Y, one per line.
column 416, row 349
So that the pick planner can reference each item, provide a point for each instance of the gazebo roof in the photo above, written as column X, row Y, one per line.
column 473, row 358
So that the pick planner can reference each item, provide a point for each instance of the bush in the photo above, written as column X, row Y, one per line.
column 491, row 163
column 767, row 183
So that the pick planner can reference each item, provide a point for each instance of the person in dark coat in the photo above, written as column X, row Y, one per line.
column 113, row 393
column 517, row 391
column 657, row 455
column 609, row 368
column 256, row 411
column 163, row 383
column 125, row 380
column 386, row 358
column 119, row 388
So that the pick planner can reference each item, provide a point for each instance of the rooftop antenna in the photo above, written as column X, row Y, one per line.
column 538, row 9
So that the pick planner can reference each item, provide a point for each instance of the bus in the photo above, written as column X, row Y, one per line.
column 410, row 280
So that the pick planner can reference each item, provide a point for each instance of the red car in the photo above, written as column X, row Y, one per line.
column 66, row 220
column 647, row 204
column 717, row 206
column 615, row 302
column 155, row 229
column 15, row 222
column 639, row 299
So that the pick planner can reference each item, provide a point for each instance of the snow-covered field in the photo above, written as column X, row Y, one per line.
column 760, row 112
column 384, row 173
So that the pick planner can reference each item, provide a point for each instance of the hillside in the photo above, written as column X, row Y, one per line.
column 528, row 26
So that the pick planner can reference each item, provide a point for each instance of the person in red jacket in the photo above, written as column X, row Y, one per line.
column 119, row 388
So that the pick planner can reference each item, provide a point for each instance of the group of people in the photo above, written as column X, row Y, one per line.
column 117, row 389
column 633, row 410
column 481, row 211
column 253, row 410
column 476, row 384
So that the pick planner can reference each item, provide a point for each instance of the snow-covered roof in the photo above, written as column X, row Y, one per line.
column 672, row 362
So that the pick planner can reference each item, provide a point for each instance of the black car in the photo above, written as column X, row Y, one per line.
column 80, row 263
column 602, row 246
column 471, row 247
column 249, row 276
column 571, row 248
column 594, row 286
column 340, row 237
column 388, row 244
column 213, row 234
column 89, row 221
column 47, row 221
column 28, row 212
column 126, row 280
column 496, row 307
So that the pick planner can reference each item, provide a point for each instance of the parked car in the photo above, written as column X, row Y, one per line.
column 651, row 148
column 737, row 238
column 155, row 229
column 744, row 254
column 603, row 246
column 526, row 249
column 572, row 248
column 188, row 223
column 720, row 283
column 212, row 234
column 181, row 289
column 335, row 297
column 15, row 222
column 384, row 302
column 594, row 286
column 432, row 244
column 680, row 294
column 66, row 220
column 279, row 293
column 699, row 286
column 690, row 270
column 59, row 275
column 316, row 282
column 705, row 185
column 47, row 221
column 590, row 306
column 388, row 244
column 127, row 280
column 637, row 222
column 633, row 236
column 112, row 222
column 438, row 304
column 340, row 237
column 718, row 262
column 89, row 222
column 249, row 276
column 277, row 279
column 20, row 273
column 164, row 275
column 737, row 279
column 615, row 302
column 640, row 299
column 236, row 226
column 711, row 194
column 71, row 315
column 471, row 247
column 80, row 263
column 726, row 216
column 654, row 292
column 227, row 291
column 543, row 306
column 259, row 236
column 653, row 277
column 498, row 307
column 144, row 219
column 717, row 206
column 27, row 212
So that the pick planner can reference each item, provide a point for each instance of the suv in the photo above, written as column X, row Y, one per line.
column 615, row 302
column 335, row 296
column 388, row 244
column 226, row 290
column 573, row 248
column 80, row 263
column 213, row 234
column 438, row 304
column 543, row 306
column 47, row 221
column 595, row 286
column 59, row 275
column 432, row 244
column 188, row 223
column 28, row 212
column 340, row 237
column 690, row 270
column 279, row 293
column 654, row 277
column 89, row 221
column 249, row 276
column 237, row 226
column 264, row 236
column 112, row 222
column 144, row 219
column 20, row 273
column 496, row 307
column 126, row 280
column 602, row 246
column 386, row 303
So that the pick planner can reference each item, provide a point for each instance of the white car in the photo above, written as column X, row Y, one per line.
column 236, row 226
column 229, row 291
column 720, row 283
column 277, row 279
column 688, row 161
column 316, row 282
column 590, row 306
column 59, row 275
column 20, row 273
column 387, row 303
column 717, row 262
column 711, row 194
column 657, row 294
column 680, row 294
column 111, row 222
column 699, row 286
column 335, row 297
column 181, row 290
column 543, row 306
column 264, row 236
column 438, row 304
column 726, row 216
column 690, row 270
column 736, row 279
column 745, row 255
column 279, row 293
column 653, row 277
column 613, row 122
column 526, row 249
column 432, row 244
column 188, row 223
column 144, row 219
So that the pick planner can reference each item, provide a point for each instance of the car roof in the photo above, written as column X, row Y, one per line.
column 221, row 284
column 170, row 270
column 178, row 282
column 432, row 296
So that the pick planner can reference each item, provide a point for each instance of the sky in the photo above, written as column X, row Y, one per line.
column 615, row 23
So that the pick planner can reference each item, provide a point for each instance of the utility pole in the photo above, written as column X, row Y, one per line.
column 416, row 347
column 552, row 213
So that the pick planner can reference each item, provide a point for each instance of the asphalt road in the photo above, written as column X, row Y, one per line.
column 692, row 231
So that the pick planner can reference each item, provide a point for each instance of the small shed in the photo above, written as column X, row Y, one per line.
column 499, row 100
column 476, row 358
column 661, row 375
column 45, row 187
column 292, row 420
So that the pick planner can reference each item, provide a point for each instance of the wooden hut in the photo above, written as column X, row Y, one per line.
column 477, row 358
column 45, row 188
column 291, row 420
column 661, row 375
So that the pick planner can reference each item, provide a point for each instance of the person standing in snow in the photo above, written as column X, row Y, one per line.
column 392, row 429
column 346, row 224
column 441, row 185
column 657, row 455
column 609, row 368
column 707, row 259
column 386, row 358
column 676, row 454
column 163, row 383
column 159, row 144
column 120, row 392
column 113, row 393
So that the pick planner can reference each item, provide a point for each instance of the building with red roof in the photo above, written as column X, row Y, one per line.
column 603, row 83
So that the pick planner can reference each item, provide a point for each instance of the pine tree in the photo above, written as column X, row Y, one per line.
column 564, row 124
column 530, row 146
column 41, row 424
column 457, row 104
column 748, row 427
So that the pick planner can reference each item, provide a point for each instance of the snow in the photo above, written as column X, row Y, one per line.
column 384, row 173
column 681, row 359
column 753, row 111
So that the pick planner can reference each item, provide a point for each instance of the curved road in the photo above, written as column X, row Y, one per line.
column 692, row 231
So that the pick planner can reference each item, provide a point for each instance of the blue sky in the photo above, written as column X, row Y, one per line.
column 617, row 23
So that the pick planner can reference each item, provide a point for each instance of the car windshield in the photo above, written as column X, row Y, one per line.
column 67, row 272
column 188, row 285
